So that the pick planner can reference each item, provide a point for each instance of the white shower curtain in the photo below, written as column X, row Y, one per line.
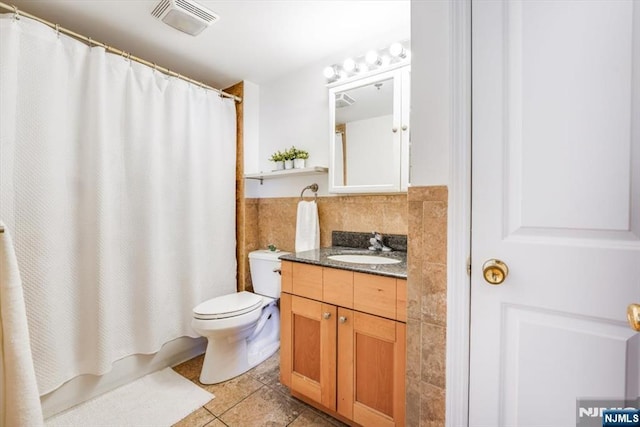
column 118, row 186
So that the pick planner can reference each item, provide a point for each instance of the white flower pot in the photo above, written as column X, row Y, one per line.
column 288, row 164
column 279, row 165
column 298, row 163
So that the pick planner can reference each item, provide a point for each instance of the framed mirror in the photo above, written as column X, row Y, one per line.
column 369, row 134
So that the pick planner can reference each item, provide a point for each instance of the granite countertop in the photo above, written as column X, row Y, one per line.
column 320, row 257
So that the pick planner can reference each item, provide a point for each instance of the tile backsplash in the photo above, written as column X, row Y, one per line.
column 354, row 239
column 273, row 220
column 277, row 217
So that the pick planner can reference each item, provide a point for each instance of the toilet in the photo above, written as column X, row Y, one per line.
column 242, row 329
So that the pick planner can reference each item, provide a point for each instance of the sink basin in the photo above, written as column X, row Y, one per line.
column 364, row 259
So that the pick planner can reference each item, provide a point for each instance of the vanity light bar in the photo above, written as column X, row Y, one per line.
column 372, row 60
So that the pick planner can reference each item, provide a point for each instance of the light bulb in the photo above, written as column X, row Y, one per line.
column 397, row 50
column 350, row 66
column 330, row 72
column 372, row 58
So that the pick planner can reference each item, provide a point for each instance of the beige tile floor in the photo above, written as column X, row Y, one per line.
column 255, row 398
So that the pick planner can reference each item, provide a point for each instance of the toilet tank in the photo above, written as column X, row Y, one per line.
column 265, row 280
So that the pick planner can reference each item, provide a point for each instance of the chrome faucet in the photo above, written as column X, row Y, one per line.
column 377, row 244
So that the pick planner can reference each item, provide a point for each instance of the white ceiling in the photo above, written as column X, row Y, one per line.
column 255, row 40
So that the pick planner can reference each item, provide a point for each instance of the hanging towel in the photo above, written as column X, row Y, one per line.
column 307, row 227
column 19, row 399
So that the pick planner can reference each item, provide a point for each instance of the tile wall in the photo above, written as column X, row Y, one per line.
column 243, row 267
column 250, row 241
column 427, row 309
column 273, row 220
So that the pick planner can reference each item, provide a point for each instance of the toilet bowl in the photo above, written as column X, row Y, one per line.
column 242, row 329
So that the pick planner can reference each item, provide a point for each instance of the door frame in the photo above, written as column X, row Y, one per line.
column 459, row 217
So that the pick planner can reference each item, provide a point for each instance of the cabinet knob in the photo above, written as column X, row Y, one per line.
column 394, row 129
column 326, row 315
column 343, row 319
column 405, row 127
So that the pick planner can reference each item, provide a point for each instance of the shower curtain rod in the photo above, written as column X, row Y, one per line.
column 108, row 48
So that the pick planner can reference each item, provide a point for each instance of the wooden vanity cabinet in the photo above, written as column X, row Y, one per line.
column 308, row 348
column 371, row 369
column 345, row 349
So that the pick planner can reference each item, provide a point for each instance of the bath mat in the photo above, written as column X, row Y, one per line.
column 159, row 399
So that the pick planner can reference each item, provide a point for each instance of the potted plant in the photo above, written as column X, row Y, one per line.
column 288, row 157
column 278, row 159
column 300, row 158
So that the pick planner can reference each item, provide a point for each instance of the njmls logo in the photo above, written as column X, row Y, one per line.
column 629, row 417
column 594, row 412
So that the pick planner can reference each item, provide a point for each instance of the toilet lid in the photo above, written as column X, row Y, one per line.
column 228, row 306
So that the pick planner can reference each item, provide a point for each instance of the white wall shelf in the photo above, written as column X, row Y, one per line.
column 313, row 170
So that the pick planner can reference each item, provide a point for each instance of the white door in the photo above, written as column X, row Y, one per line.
column 556, row 196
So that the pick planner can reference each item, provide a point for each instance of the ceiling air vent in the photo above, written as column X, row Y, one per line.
column 185, row 15
column 343, row 100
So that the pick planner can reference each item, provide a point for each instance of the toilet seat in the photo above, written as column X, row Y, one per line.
column 228, row 306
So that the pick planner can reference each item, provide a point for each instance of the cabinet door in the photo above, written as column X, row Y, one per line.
column 371, row 369
column 308, row 355
column 367, row 122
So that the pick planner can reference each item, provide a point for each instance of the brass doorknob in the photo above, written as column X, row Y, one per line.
column 633, row 316
column 495, row 271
